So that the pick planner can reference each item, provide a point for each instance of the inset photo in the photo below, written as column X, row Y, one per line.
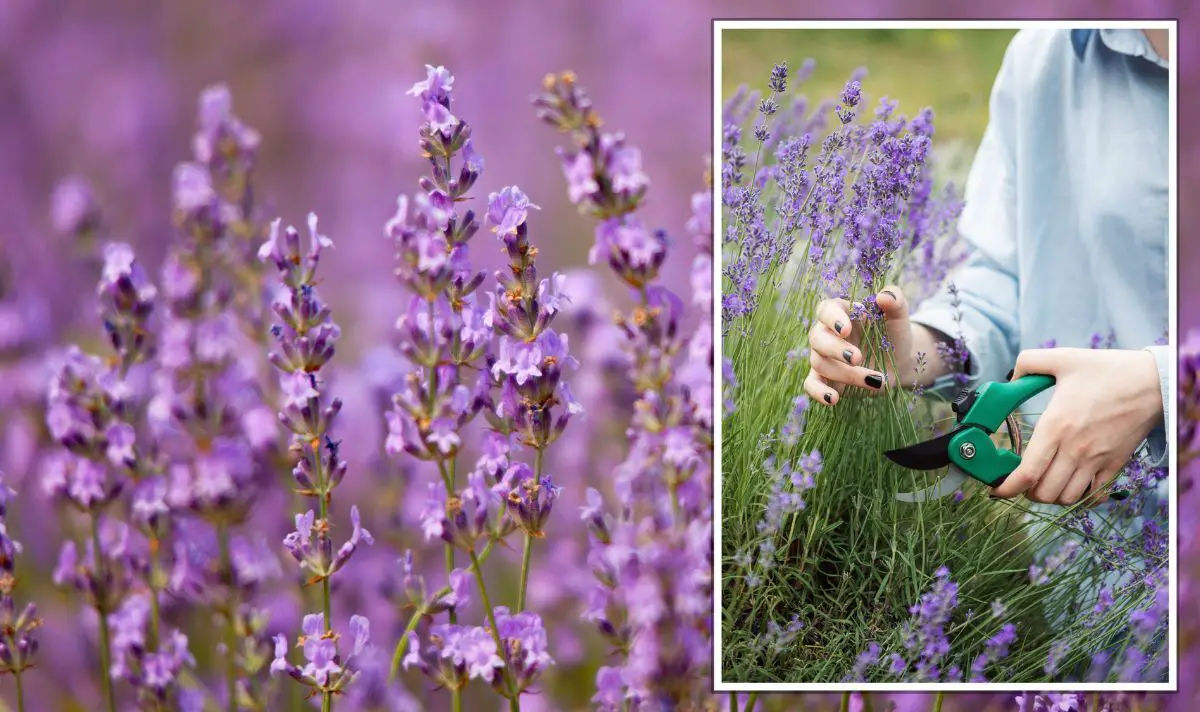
column 946, row 323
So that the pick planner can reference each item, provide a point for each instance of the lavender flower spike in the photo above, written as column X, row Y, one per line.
column 90, row 411
column 306, row 338
column 649, row 599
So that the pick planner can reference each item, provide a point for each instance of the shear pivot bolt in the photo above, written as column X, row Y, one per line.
column 967, row 451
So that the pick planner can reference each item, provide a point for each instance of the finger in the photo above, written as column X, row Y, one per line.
column 1098, row 496
column 1034, row 461
column 894, row 305
column 835, row 314
column 819, row 390
column 1079, row 486
column 1056, row 478
column 892, row 302
column 1101, row 483
column 1037, row 361
column 823, row 341
column 837, row 371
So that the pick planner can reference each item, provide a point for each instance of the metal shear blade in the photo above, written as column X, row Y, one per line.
column 951, row 483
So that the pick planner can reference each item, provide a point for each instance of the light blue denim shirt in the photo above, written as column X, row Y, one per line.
column 1066, row 207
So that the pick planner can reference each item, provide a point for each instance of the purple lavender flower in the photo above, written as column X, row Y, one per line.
column 777, row 638
column 225, row 145
column 328, row 667
column 1041, row 573
column 526, row 646
column 925, row 635
column 866, row 659
column 18, row 640
column 151, row 666
column 995, row 649
column 73, row 208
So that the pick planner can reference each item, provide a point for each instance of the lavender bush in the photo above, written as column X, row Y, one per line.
column 842, row 201
column 195, row 446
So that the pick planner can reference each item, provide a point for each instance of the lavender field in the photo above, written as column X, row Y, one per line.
column 445, row 444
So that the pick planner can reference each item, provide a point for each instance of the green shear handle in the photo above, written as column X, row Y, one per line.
column 973, row 449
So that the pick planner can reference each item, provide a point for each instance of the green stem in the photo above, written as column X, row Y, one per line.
column 102, row 614
column 525, row 556
column 514, row 704
column 326, row 597
column 155, row 614
column 845, row 702
column 487, row 602
column 937, row 701
column 447, row 472
column 524, row 572
column 448, row 476
column 402, row 646
column 751, row 701
column 231, row 637
column 20, row 693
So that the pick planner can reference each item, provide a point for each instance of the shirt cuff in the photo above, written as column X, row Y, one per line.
column 1156, row 441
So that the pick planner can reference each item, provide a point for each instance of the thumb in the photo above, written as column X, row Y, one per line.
column 892, row 302
column 1036, row 361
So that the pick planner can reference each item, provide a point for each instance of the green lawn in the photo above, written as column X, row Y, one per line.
column 949, row 70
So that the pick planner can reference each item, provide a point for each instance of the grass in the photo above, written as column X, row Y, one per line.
column 856, row 558
column 852, row 562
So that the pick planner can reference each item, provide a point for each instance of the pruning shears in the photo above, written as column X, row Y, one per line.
column 968, row 450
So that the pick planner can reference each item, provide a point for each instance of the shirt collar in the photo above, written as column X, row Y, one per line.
column 1079, row 41
column 1124, row 41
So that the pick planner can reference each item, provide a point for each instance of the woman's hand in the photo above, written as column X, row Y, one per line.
column 834, row 353
column 1105, row 402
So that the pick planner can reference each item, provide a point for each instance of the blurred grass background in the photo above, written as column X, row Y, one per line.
column 950, row 70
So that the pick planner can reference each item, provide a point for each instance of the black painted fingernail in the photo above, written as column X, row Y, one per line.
column 848, row 356
column 874, row 381
column 829, row 398
column 837, row 326
column 1010, row 375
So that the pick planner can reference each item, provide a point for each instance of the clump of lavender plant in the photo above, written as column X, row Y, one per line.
column 306, row 337
column 788, row 484
column 652, row 562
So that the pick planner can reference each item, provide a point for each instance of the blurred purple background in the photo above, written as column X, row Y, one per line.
column 108, row 91
column 111, row 95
